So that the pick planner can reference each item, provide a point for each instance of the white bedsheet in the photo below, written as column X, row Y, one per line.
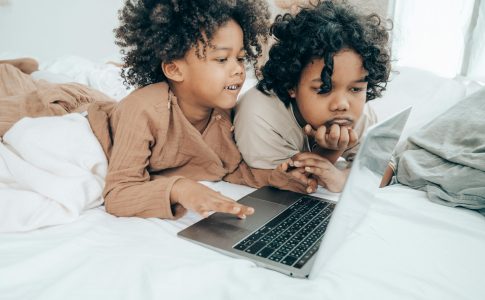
column 51, row 170
column 406, row 248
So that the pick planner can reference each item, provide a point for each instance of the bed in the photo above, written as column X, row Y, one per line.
column 405, row 248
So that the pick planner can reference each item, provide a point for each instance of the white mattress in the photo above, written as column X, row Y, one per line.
column 406, row 248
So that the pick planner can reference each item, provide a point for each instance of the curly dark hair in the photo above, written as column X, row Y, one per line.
column 152, row 32
column 322, row 30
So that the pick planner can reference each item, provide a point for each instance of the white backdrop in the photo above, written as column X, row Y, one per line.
column 446, row 37
column 48, row 29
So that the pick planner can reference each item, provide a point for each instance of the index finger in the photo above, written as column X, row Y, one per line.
column 306, row 155
column 309, row 131
column 226, row 205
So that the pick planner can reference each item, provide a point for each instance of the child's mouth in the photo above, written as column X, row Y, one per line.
column 339, row 122
column 233, row 87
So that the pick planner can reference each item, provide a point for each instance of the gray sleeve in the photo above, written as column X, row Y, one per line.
column 446, row 157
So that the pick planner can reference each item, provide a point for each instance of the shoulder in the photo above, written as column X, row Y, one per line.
column 254, row 105
column 265, row 130
column 369, row 113
column 255, row 99
column 148, row 98
column 143, row 108
column 369, row 116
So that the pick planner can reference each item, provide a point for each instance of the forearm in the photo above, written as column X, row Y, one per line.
column 246, row 175
column 141, row 199
column 257, row 178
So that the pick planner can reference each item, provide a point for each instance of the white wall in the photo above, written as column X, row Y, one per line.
column 48, row 29
column 432, row 34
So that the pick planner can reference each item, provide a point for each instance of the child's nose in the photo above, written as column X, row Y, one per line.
column 339, row 102
column 238, row 68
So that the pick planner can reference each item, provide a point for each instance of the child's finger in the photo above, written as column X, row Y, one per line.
column 308, row 162
column 299, row 174
column 353, row 138
column 230, row 206
column 179, row 210
column 320, row 136
column 344, row 138
column 312, row 185
column 247, row 210
column 205, row 213
column 315, row 163
column 218, row 202
column 309, row 130
column 283, row 166
column 315, row 170
column 333, row 136
column 305, row 155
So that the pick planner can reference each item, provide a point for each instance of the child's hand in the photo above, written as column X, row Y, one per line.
column 386, row 178
column 197, row 197
column 326, row 173
column 334, row 138
column 300, row 174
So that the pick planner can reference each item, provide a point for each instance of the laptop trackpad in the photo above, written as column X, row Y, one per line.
column 263, row 212
column 223, row 230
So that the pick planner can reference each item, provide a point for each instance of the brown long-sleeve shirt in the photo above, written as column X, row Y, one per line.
column 150, row 144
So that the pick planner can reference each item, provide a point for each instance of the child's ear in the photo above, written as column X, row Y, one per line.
column 172, row 71
column 292, row 93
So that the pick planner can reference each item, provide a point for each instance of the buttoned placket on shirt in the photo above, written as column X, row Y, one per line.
column 173, row 105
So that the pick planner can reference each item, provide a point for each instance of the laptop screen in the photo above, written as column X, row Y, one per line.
column 368, row 167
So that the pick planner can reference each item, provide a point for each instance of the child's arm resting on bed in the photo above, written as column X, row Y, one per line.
column 131, row 190
column 280, row 177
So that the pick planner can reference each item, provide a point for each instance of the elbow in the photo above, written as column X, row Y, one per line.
column 113, row 206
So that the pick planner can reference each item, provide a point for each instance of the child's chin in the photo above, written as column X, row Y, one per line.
column 227, row 104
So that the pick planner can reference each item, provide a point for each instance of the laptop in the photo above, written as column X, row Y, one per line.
column 289, row 232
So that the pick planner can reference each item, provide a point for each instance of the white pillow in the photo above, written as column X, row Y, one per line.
column 430, row 95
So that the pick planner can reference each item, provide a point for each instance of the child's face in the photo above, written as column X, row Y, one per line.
column 215, row 80
column 344, row 104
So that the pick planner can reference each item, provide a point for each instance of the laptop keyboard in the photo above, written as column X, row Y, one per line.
column 293, row 236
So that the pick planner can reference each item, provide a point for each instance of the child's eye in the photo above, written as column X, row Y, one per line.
column 221, row 60
column 357, row 89
column 320, row 91
column 241, row 59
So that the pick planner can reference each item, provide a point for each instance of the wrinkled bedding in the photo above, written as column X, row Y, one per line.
column 51, row 170
column 406, row 248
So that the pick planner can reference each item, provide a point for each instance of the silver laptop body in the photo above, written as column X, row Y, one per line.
column 267, row 236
